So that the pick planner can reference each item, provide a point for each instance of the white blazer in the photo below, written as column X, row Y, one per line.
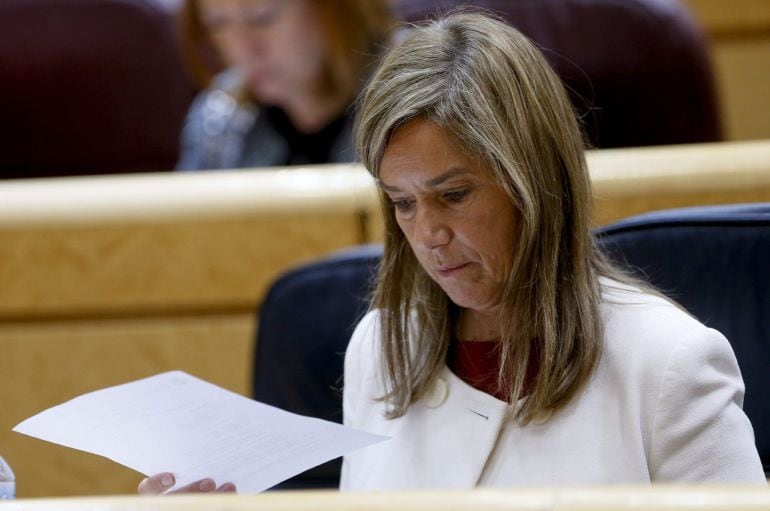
column 664, row 404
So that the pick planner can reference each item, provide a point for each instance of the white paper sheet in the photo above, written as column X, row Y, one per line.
column 177, row 423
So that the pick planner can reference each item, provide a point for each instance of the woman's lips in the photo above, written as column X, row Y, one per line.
column 448, row 271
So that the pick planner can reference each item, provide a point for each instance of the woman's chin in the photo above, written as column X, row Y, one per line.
column 470, row 302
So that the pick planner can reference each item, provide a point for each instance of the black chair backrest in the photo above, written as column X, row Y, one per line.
column 304, row 327
column 714, row 261
column 637, row 70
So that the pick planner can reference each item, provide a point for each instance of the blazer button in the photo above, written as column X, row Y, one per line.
column 437, row 394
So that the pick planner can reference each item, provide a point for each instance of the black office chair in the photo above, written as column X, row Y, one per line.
column 714, row 261
column 304, row 327
column 711, row 259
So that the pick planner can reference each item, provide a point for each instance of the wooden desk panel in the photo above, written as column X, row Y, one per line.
column 671, row 498
column 168, row 267
column 636, row 180
column 168, row 244
column 143, row 245
column 44, row 364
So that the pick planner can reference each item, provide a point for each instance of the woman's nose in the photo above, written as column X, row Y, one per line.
column 431, row 228
column 241, row 45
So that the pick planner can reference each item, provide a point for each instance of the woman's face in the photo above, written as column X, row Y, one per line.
column 458, row 221
column 278, row 45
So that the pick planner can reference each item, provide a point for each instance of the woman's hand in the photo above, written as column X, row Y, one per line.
column 160, row 483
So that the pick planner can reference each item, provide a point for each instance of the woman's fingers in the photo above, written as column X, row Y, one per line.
column 161, row 483
column 157, row 484
column 227, row 488
column 202, row 486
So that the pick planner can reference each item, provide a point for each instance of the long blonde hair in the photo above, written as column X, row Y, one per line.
column 487, row 85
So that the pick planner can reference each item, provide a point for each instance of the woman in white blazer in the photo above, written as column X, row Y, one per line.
column 502, row 348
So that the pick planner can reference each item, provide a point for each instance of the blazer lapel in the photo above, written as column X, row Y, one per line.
column 444, row 440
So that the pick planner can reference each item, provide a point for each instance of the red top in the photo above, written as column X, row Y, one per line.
column 477, row 363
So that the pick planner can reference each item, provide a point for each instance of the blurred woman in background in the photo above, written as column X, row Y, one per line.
column 292, row 71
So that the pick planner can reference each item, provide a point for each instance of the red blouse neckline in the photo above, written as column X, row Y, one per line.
column 477, row 363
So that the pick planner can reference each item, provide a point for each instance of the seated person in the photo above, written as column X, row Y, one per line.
column 502, row 347
column 293, row 71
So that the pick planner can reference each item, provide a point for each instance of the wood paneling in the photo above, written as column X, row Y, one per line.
column 45, row 364
column 739, row 43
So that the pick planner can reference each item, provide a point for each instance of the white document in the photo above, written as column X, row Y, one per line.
column 174, row 422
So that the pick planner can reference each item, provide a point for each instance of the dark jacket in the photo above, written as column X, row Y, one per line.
column 222, row 133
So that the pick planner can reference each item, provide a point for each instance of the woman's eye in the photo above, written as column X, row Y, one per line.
column 262, row 19
column 216, row 23
column 262, row 15
column 402, row 204
column 456, row 195
column 253, row 17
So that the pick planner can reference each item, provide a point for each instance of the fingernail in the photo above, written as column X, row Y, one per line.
column 167, row 480
column 207, row 485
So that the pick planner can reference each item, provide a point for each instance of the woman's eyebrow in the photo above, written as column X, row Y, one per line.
column 435, row 181
column 388, row 188
column 446, row 176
